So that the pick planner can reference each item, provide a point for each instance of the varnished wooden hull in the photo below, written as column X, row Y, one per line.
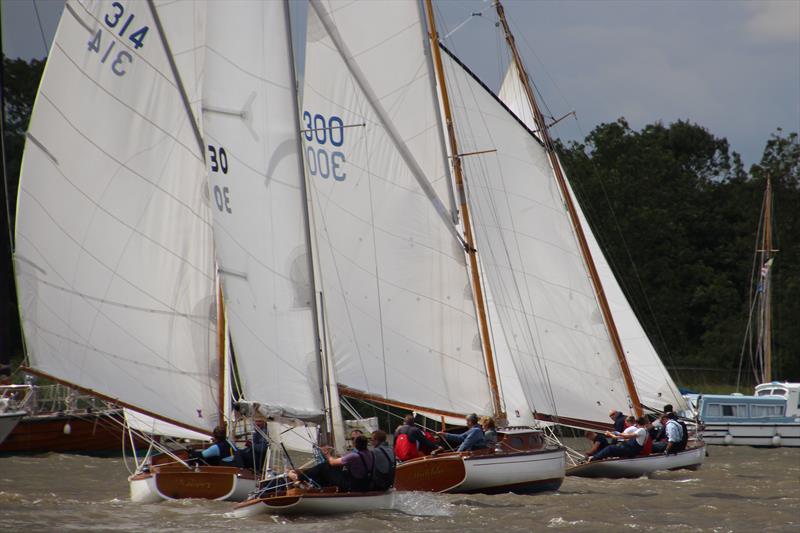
column 85, row 433
column 633, row 467
column 326, row 501
column 523, row 472
column 178, row 482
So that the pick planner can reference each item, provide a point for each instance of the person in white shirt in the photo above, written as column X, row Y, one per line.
column 676, row 440
column 633, row 440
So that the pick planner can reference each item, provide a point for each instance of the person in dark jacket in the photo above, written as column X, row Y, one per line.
column 598, row 440
column 384, row 464
column 619, row 420
column 351, row 472
column 223, row 452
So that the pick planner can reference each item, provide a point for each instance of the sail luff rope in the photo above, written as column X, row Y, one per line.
column 480, row 304
column 178, row 80
column 323, row 374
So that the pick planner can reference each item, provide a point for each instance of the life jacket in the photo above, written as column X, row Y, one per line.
column 647, row 449
column 404, row 449
column 228, row 454
column 383, row 469
column 681, row 444
column 362, row 484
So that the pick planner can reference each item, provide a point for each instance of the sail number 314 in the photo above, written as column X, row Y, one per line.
column 118, row 22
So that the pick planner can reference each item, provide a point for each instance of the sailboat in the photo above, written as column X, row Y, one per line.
column 645, row 378
column 114, row 257
column 392, row 254
column 403, row 295
column 771, row 416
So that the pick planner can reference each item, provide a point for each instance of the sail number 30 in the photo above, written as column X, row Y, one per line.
column 118, row 23
column 321, row 160
column 218, row 162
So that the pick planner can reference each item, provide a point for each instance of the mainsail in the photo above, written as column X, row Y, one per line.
column 533, row 265
column 653, row 382
column 256, row 179
column 114, row 258
column 397, row 297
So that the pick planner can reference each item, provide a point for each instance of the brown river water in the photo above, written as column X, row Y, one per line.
column 738, row 489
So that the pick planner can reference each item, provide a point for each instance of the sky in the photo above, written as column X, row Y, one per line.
column 732, row 67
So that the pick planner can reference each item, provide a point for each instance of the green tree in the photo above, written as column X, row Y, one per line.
column 676, row 215
column 20, row 80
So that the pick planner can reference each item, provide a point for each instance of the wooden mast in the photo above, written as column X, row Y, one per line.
column 573, row 214
column 462, row 200
column 767, row 250
column 221, row 349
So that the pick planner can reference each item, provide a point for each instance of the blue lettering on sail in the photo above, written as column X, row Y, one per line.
column 320, row 132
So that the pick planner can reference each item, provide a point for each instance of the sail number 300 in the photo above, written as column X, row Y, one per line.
column 321, row 161
column 120, row 24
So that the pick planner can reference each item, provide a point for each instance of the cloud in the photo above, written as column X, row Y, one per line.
column 774, row 20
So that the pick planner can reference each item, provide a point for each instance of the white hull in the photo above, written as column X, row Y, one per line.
column 318, row 504
column 520, row 472
column 505, row 473
column 633, row 467
column 145, row 490
column 752, row 434
column 8, row 421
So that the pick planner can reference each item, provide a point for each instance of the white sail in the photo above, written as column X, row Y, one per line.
column 256, row 188
column 512, row 393
column 153, row 426
column 538, row 279
column 653, row 383
column 113, row 252
column 397, row 297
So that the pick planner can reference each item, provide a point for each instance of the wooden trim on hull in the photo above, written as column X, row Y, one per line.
column 177, row 483
column 431, row 473
column 89, row 433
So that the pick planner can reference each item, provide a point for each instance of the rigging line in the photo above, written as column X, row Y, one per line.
column 360, row 79
column 483, row 172
column 337, row 270
column 377, row 267
column 41, row 28
column 184, row 97
column 464, row 23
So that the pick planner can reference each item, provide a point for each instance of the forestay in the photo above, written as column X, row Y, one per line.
column 257, row 194
column 113, row 256
column 530, row 255
column 653, row 382
column 397, row 298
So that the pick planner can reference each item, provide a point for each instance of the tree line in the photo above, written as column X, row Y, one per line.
column 672, row 206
